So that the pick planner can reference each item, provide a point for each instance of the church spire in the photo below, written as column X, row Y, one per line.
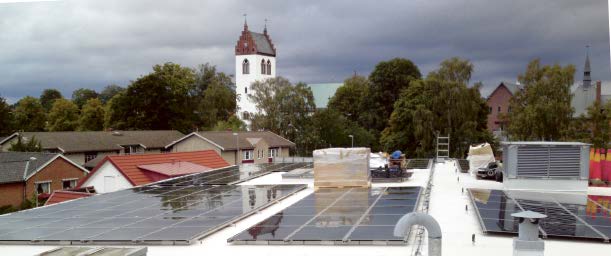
column 265, row 28
column 245, row 22
column 587, row 80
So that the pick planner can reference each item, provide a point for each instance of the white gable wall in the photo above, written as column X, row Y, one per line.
column 107, row 179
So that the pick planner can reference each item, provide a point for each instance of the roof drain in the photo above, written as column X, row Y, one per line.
column 428, row 222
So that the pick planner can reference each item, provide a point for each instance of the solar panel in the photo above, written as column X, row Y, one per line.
column 337, row 216
column 590, row 220
column 418, row 163
column 231, row 175
column 151, row 214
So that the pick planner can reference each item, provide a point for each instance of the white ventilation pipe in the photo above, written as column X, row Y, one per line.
column 427, row 221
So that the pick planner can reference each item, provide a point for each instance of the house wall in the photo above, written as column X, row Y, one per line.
column 79, row 157
column 55, row 172
column 12, row 194
column 229, row 156
column 107, row 169
column 500, row 97
column 263, row 148
column 194, row 143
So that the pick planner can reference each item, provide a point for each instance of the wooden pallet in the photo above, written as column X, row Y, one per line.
column 360, row 185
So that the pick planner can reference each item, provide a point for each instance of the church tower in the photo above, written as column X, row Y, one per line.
column 255, row 60
column 587, row 80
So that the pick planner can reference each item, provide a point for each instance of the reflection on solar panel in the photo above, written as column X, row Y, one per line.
column 464, row 165
column 337, row 216
column 176, row 211
column 418, row 163
column 590, row 220
column 231, row 175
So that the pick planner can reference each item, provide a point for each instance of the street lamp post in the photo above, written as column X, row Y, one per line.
column 351, row 140
column 237, row 147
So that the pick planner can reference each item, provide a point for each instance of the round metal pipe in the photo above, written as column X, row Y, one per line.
column 428, row 222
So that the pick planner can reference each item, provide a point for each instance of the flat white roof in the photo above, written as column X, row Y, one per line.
column 447, row 206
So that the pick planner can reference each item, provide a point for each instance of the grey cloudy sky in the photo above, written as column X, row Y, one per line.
column 73, row 44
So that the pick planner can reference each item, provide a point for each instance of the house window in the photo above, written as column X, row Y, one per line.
column 273, row 152
column 248, row 154
column 132, row 149
column 90, row 156
column 269, row 67
column 499, row 108
column 263, row 67
column 69, row 183
column 43, row 187
column 490, row 109
column 245, row 67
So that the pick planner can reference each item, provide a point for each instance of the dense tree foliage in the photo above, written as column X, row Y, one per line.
column 29, row 115
column 92, row 116
column 387, row 80
column 232, row 124
column 333, row 130
column 49, row 96
column 21, row 145
column 80, row 96
column 109, row 91
column 63, row 116
column 348, row 99
column 213, row 98
column 285, row 109
column 542, row 110
column 6, row 118
column 437, row 105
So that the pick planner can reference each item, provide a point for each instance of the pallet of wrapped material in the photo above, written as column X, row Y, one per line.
column 341, row 167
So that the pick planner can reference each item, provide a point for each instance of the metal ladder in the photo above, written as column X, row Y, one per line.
column 443, row 148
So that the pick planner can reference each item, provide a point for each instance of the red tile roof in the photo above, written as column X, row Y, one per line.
column 128, row 164
column 61, row 196
column 173, row 169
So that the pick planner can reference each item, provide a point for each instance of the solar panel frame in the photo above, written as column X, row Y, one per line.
column 563, row 220
column 419, row 163
column 143, row 212
column 293, row 226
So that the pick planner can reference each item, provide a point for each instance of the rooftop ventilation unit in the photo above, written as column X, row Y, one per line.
column 554, row 166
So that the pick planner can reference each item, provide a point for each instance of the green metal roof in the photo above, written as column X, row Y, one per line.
column 323, row 92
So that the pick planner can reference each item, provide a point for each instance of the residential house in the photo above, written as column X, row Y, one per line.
column 116, row 172
column 240, row 147
column 498, row 105
column 82, row 147
column 25, row 175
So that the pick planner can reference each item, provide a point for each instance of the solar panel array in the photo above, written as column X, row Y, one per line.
column 337, row 216
column 418, row 163
column 168, row 212
column 587, row 221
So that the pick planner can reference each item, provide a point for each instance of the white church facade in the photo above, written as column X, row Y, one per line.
column 255, row 60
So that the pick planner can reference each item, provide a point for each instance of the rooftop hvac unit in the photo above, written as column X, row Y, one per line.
column 553, row 166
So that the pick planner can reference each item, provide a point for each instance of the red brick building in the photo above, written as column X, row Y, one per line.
column 498, row 104
column 24, row 175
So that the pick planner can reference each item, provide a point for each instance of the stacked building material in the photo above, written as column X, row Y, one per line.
column 341, row 167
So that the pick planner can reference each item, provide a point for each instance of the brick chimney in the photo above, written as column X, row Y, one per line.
column 598, row 84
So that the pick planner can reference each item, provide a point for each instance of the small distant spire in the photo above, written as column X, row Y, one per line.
column 265, row 27
column 587, row 79
column 245, row 22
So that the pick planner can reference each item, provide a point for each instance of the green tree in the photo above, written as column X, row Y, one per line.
column 29, row 115
column 81, row 95
column 348, row 98
column 595, row 125
column 542, row 110
column 63, row 116
column 285, row 109
column 31, row 145
column 157, row 101
column 333, row 130
column 6, row 118
column 212, row 96
column 454, row 69
column 92, row 116
column 232, row 124
column 48, row 96
column 387, row 81
column 437, row 105
column 109, row 91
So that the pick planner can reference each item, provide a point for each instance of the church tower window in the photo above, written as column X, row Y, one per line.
column 245, row 67
column 263, row 67
column 269, row 67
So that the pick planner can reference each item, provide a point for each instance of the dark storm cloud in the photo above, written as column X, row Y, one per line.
column 72, row 44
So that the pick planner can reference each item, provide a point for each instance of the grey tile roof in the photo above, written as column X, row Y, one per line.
column 513, row 87
column 13, row 164
column 264, row 46
column 228, row 141
column 102, row 141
